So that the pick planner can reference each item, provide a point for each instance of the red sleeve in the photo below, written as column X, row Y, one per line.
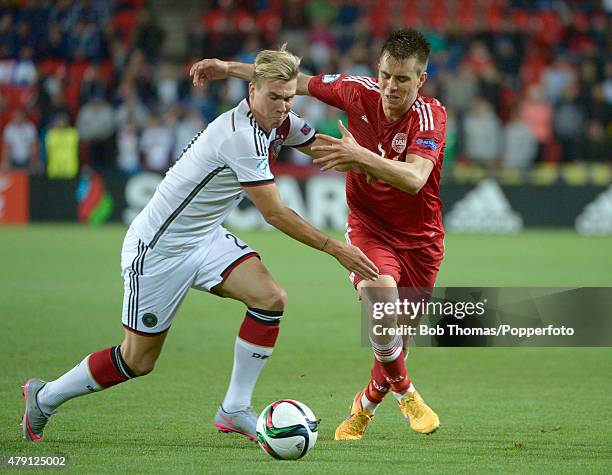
column 428, row 135
column 333, row 89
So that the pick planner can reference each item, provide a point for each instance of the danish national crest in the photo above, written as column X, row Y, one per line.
column 399, row 142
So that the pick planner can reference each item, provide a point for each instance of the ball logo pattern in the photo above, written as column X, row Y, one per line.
column 287, row 429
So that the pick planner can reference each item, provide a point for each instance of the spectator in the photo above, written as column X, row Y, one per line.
column 482, row 131
column 597, row 146
column 167, row 85
column 452, row 140
column 149, row 36
column 54, row 45
column 188, row 125
column 20, row 147
column 93, row 84
column 556, row 78
column 7, row 35
column 607, row 84
column 156, row 144
column 570, row 122
column 51, row 104
column 24, row 37
column 519, row 145
column 599, row 109
column 131, row 106
column 62, row 149
column 460, row 89
column 24, row 72
column 202, row 100
column 538, row 114
column 96, row 126
column 128, row 159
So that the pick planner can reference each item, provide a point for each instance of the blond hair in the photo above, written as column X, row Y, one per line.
column 281, row 64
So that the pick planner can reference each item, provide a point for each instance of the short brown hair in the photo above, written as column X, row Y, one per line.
column 405, row 43
column 280, row 64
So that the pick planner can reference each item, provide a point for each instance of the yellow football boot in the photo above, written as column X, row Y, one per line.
column 421, row 417
column 353, row 427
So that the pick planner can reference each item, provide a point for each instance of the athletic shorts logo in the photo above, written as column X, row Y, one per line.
column 429, row 143
column 149, row 320
column 327, row 78
column 399, row 142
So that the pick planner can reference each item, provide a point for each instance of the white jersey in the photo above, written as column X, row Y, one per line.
column 206, row 184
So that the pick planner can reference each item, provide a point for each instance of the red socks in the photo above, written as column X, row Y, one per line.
column 108, row 368
column 381, row 382
column 260, row 327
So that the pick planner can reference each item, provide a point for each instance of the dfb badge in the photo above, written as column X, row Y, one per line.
column 149, row 320
column 399, row 142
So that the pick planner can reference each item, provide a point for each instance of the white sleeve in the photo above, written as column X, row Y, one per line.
column 300, row 132
column 246, row 153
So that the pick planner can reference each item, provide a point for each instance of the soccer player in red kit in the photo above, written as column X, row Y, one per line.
column 392, row 151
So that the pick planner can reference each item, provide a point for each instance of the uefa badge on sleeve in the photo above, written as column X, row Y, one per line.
column 327, row 78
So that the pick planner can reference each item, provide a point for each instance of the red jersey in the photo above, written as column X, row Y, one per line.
column 402, row 220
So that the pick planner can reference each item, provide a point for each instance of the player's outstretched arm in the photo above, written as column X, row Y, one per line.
column 212, row 69
column 409, row 176
column 314, row 153
column 268, row 201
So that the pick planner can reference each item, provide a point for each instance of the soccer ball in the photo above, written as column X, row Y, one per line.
column 287, row 429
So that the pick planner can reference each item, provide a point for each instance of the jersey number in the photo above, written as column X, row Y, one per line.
column 231, row 236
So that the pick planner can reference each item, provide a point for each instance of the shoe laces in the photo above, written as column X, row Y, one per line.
column 361, row 420
column 413, row 406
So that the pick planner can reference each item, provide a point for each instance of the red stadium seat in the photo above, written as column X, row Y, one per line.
column 73, row 84
column 467, row 19
column 125, row 24
column 531, row 70
column 269, row 23
column 16, row 97
column 106, row 71
column 548, row 27
column 494, row 18
column 379, row 21
column 521, row 19
column 51, row 67
column 213, row 20
column 438, row 19
column 244, row 21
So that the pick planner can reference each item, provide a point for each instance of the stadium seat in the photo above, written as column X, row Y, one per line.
column 51, row 67
column 125, row 24
column 243, row 20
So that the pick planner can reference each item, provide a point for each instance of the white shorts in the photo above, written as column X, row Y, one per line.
column 155, row 284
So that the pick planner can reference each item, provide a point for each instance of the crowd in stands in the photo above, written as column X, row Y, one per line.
column 86, row 81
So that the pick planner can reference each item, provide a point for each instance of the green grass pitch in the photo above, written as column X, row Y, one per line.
column 502, row 409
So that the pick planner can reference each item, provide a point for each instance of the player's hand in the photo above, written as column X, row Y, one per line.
column 343, row 151
column 352, row 259
column 208, row 70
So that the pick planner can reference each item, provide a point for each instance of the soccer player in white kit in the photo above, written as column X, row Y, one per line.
column 178, row 242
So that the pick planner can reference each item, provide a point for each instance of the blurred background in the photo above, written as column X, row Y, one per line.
column 96, row 103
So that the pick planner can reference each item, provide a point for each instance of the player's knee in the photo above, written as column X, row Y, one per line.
column 274, row 299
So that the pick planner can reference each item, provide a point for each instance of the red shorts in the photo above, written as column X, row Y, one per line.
column 409, row 267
